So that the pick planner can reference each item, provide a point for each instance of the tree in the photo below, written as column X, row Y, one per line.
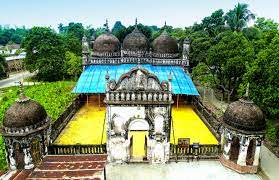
column 72, row 44
column 76, row 29
column 200, row 43
column 252, row 33
column 117, row 26
column 214, row 24
column 202, row 74
column 262, row 76
column 3, row 67
column 227, row 61
column 73, row 64
column 266, row 24
column 45, row 53
column 238, row 17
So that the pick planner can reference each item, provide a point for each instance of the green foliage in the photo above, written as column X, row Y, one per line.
column 76, row 29
column 72, row 44
column 117, row 26
column 45, row 53
column 266, row 24
column 202, row 74
column 262, row 76
column 12, row 35
column 55, row 97
column 200, row 44
column 238, row 17
column 228, row 59
column 73, row 64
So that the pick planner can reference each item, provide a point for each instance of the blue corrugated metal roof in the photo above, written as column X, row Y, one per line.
column 92, row 80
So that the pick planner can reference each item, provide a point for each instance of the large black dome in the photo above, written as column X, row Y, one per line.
column 24, row 112
column 165, row 44
column 244, row 115
column 135, row 41
column 106, row 43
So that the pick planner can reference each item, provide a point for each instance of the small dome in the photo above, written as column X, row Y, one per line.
column 244, row 115
column 165, row 44
column 24, row 112
column 106, row 42
column 135, row 41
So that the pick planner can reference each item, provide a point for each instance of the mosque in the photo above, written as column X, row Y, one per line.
column 138, row 107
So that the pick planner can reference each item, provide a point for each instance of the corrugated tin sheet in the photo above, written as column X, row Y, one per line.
column 92, row 80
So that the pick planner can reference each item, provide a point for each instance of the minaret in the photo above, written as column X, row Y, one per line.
column 92, row 40
column 85, row 51
column 185, row 52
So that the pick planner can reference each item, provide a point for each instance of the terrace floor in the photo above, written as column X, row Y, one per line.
column 201, row 170
column 88, row 127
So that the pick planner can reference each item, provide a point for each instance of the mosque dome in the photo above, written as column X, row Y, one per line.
column 106, row 43
column 24, row 112
column 165, row 44
column 244, row 115
column 135, row 41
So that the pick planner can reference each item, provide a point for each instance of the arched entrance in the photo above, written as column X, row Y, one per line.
column 19, row 156
column 251, row 152
column 138, row 133
column 234, row 151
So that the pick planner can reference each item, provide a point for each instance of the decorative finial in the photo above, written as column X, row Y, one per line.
column 170, row 76
column 136, row 22
column 107, row 76
column 106, row 25
column 22, row 97
column 165, row 23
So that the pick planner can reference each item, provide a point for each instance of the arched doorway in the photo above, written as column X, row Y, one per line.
column 36, row 151
column 234, row 151
column 19, row 156
column 251, row 152
column 138, row 133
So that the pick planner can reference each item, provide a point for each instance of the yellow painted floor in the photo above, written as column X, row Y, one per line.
column 138, row 142
column 187, row 124
column 87, row 127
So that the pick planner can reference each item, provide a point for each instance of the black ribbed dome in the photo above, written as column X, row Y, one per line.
column 244, row 115
column 135, row 41
column 106, row 42
column 24, row 112
column 165, row 44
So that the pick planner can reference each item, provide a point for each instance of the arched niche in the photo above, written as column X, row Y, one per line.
column 234, row 151
column 251, row 152
column 138, row 125
column 19, row 156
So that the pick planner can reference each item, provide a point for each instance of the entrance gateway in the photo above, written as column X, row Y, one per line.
column 138, row 117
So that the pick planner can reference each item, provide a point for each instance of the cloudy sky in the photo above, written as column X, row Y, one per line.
column 178, row 13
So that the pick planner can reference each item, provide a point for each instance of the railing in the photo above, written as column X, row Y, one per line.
column 64, row 118
column 76, row 149
column 204, row 151
column 209, row 117
column 135, row 60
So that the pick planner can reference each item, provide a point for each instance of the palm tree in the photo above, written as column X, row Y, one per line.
column 238, row 17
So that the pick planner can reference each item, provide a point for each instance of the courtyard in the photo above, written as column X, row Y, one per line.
column 90, row 118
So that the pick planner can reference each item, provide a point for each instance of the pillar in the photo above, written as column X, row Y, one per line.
column 227, row 146
column 12, row 161
column 243, row 151
column 27, row 158
column 257, row 153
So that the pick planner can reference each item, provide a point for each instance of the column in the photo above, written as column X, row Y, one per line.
column 243, row 151
column 11, row 158
column 227, row 146
column 257, row 152
column 27, row 158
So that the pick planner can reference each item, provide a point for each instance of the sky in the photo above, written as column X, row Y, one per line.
column 177, row 13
